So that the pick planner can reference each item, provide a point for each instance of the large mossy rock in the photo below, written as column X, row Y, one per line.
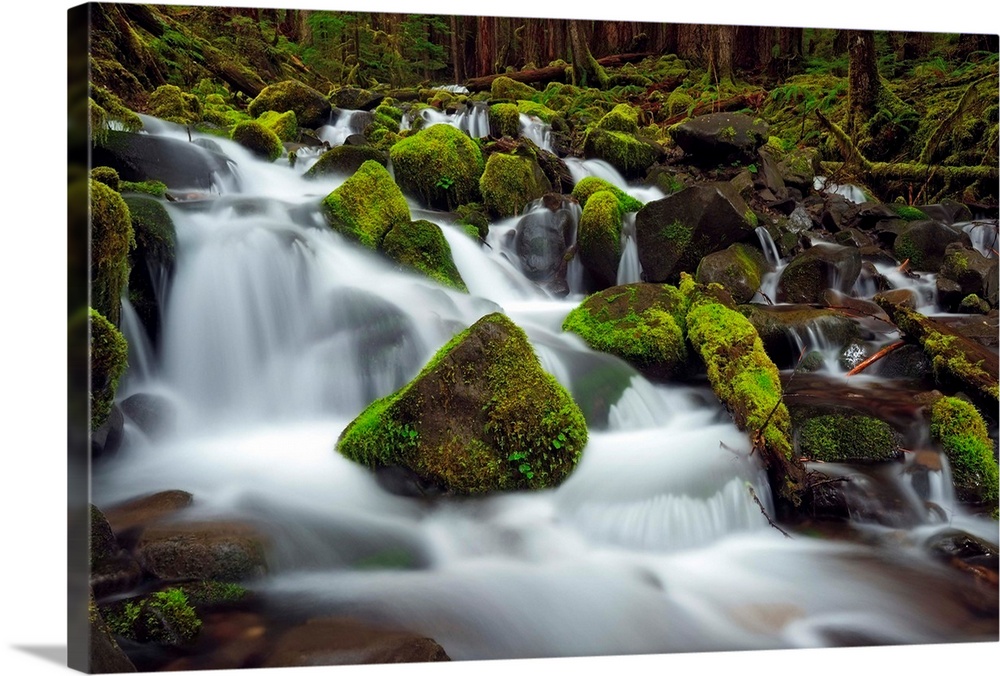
column 108, row 360
column 630, row 154
column 643, row 324
column 589, row 185
column 676, row 232
column 961, row 431
column 169, row 102
column 720, row 137
column 367, row 205
column 511, row 182
column 111, row 240
column 421, row 245
column 505, row 120
column 820, row 267
column 850, row 438
column 482, row 416
column 258, row 139
column 440, row 165
column 284, row 125
column 599, row 237
column 924, row 244
column 506, row 89
column 738, row 268
column 312, row 109
column 345, row 160
column 971, row 271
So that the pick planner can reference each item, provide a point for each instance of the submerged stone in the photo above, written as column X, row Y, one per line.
column 482, row 416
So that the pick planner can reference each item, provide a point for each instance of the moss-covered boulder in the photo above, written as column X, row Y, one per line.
column 106, row 175
column 420, row 245
column 973, row 272
column 924, row 244
column 588, row 185
column 481, row 416
column 312, row 109
column 504, row 120
column 152, row 260
column 820, row 267
column 748, row 384
column 505, row 89
column 676, row 232
column 258, row 139
column 643, row 324
column 345, row 160
column 629, row 153
column 851, row 438
column 355, row 98
column 960, row 430
column 284, row 125
column 599, row 237
column 539, row 110
column 367, row 205
column 111, row 240
column 738, row 268
column 720, row 137
column 108, row 361
column 170, row 103
column 440, row 165
column 510, row 182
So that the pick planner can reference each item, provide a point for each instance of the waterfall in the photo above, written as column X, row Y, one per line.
column 277, row 332
column 539, row 132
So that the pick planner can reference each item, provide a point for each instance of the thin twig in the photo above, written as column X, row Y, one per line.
column 763, row 511
column 875, row 357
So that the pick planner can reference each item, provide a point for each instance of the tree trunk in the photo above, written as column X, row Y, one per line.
column 720, row 62
column 863, row 80
column 586, row 70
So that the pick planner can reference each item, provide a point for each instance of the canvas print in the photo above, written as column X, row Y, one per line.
column 403, row 337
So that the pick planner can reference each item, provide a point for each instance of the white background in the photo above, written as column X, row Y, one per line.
column 32, row 246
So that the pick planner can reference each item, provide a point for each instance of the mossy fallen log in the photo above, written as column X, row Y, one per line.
column 546, row 74
column 748, row 384
column 957, row 361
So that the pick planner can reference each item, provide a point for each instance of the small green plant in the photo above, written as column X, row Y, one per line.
column 752, row 168
column 444, row 183
column 524, row 468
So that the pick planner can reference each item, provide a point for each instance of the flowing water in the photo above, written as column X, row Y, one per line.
column 278, row 332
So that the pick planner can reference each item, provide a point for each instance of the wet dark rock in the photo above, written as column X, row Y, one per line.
column 344, row 160
column 179, row 164
column 737, row 268
column 837, row 212
column 873, row 215
column 777, row 326
column 106, row 656
column 107, row 439
column 949, row 293
column 924, row 244
column 948, row 212
column 355, row 98
column 221, row 551
column 955, row 544
column 147, row 509
column 906, row 362
column 973, row 272
column 542, row 240
column 333, row 641
column 154, row 414
column 152, row 259
column 720, row 137
column 821, row 267
column 113, row 569
column 768, row 176
column 676, row 232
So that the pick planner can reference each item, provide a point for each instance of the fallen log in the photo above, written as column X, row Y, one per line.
column 958, row 362
column 549, row 73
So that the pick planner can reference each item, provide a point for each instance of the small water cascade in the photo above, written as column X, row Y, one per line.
column 345, row 123
column 984, row 235
column 277, row 332
column 629, row 267
column 538, row 131
column 850, row 192
column 474, row 119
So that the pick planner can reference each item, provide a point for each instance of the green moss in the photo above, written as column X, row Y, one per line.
column 284, row 125
column 599, row 237
column 311, row 108
column 169, row 103
column 498, row 421
column 831, row 438
column 504, row 88
column 165, row 617
column 542, row 112
column 973, row 304
column 105, row 175
column 906, row 249
column 152, row 188
column 344, row 160
column 679, row 102
column 505, row 120
column 111, row 240
column 387, row 117
column 420, row 245
column 510, row 182
column 751, row 218
column 624, row 151
column 961, row 431
column 742, row 376
column 367, row 205
column 154, row 230
column 440, row 165
column 210, row 592
column 907, row 213
column 108, row 361
column 640, row 323
column 623, row 118
column 258, row 139
column 107, row 110
column 474, row 215
column 589, row 185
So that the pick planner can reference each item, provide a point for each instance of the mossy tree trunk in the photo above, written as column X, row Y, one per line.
column 586, row 71
column 720, row 55
column 863, row 80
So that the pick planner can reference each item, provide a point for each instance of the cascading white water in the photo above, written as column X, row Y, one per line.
column 473, row 120
column 539, row 132
column 984, row 234
column 278, row 332
column 851, row 192
column 345, row 124
column 629, row 267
